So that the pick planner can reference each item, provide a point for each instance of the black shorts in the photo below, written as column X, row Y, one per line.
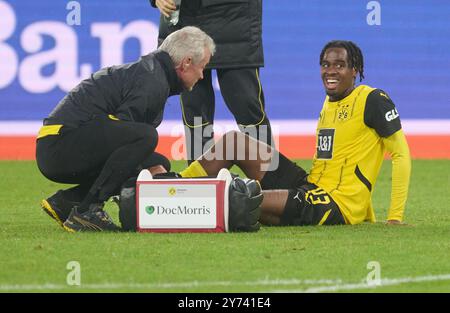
column 307, row 203
column 287, row 174
column 311, row 205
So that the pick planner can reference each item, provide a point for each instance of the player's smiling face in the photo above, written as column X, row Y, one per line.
column 337, row 76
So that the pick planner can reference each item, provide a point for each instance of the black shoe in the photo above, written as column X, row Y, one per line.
column 57, row 207
column 95, row 219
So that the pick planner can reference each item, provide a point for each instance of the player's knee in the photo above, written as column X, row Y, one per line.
column 234, row 136
column 231, row 134
column 228, row 138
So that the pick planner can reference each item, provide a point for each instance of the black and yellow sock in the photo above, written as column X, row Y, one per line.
column 195, row 169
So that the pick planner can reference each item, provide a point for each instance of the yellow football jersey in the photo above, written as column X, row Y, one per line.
column 350, row 151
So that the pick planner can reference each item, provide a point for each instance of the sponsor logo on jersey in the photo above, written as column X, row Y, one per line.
column 325, row 142
column 391, row 115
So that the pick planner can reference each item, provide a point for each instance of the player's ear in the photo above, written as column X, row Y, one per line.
column 355, row 73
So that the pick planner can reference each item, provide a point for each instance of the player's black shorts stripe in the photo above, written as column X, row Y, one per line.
column 362, row 178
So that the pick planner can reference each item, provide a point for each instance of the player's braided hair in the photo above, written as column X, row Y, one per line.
column 354, row 54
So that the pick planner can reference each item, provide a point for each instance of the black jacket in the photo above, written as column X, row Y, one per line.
column 235, row 26
column 133, row 92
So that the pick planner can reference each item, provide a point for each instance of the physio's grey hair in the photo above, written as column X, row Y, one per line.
column 189, row 41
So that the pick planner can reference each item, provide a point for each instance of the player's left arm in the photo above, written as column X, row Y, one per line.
column 381, row 115
column 397, row 147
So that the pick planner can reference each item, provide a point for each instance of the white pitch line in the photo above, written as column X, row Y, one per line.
column 193, row 284
column 331, row 285
column 363, row 285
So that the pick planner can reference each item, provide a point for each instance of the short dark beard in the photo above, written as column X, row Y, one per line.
column 342, row 96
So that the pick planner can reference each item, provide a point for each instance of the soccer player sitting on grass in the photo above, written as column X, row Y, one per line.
column 356, row 126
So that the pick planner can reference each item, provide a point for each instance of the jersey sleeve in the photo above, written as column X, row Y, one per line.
column 397, row 146
column 380, row 114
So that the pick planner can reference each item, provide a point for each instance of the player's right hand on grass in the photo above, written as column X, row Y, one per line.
column 396, row 223
column 245, row 198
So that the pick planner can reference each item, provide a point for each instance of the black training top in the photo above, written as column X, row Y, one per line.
column 234, row 25
column 133, row 92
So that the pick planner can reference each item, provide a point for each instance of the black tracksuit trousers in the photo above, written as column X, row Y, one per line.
column 98, row 156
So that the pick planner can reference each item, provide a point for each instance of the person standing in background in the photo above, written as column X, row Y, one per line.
column 236, row 28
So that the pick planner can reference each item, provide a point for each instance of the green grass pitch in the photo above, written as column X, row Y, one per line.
column 415, row 258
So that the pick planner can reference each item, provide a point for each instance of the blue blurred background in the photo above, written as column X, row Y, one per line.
column 407, row 55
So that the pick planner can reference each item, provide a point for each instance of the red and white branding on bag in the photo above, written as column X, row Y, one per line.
column 181, row 205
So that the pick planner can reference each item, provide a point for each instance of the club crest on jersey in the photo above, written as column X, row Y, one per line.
column 343, row 114
column 391, row 115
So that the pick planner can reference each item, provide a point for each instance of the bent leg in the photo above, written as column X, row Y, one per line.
column 256, row 159
column 234, row 148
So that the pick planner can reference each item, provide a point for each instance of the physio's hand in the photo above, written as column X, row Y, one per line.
column 166, row 7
